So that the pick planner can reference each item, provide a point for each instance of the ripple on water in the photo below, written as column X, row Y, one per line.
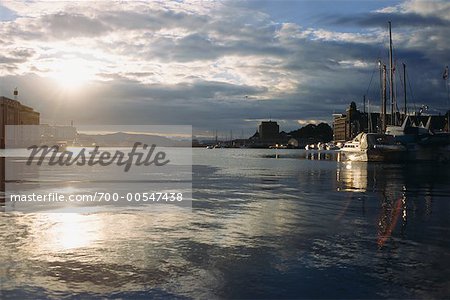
column 260, row 226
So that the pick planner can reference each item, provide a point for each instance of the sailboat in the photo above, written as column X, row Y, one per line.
column 409, row 141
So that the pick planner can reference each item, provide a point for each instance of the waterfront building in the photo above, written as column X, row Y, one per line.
column 12, row 112
column 347, row 126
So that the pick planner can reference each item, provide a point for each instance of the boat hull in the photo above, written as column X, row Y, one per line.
column 374, row 155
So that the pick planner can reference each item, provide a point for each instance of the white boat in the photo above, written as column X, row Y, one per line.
column 320, row 146
column 331, row 146
column 373, row 147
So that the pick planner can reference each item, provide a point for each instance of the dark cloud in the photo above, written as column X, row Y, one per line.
column 380, row 20
column 201, row 46
column 16, row 56
column 153, row 20
column 325, row 72
column 23, row 52
column 189, row 93
column 70, row 25
column 10, row 60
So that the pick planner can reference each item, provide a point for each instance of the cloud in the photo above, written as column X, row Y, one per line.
column 401, row 19
column 215, row 65
column 68, row 25
column 309, row 121
column 153, row 19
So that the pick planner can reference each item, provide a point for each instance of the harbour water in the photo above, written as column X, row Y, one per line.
column 264, row 224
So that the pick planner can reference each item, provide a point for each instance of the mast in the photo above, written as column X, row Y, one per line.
column 383, row 114
column 380, row 66
column 369, row 118
column 391, row 78
column 445, row 77
column 404, row 88
column 364, row 104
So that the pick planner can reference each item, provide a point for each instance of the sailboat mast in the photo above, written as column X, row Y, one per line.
column 404, row 87
column 364, row 104
column 391, row 77
column 380, row 66
column 384, row 108
column 369, row 118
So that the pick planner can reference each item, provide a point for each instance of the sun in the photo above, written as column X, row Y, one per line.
column 72, row 74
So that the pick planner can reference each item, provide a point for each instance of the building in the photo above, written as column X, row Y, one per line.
column 12, row 112
column 340, row 125
column 347, row 126
column 269, row 131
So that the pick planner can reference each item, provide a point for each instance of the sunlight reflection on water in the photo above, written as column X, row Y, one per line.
column 261, row 226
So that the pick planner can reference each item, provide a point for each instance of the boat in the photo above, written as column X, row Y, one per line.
column 373, row 147
column 320, row 146
column 412, row 140
column 331, row 146
column 421, row 142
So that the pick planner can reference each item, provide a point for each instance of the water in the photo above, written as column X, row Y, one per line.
column 264, row 224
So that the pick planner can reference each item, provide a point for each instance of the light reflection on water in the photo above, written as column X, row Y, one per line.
column 265, row 223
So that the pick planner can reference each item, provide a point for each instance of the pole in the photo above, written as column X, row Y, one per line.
column 383, row 119
column 445, row 77
column 369, row 118
column 391, row 78
column 404, row 88
column 364, row 104
column 380, row 66
column 448, row 100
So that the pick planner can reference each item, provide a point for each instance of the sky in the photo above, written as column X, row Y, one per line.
column 218, row 65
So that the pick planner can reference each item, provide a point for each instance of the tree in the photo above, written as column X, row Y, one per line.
column 320, row 133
